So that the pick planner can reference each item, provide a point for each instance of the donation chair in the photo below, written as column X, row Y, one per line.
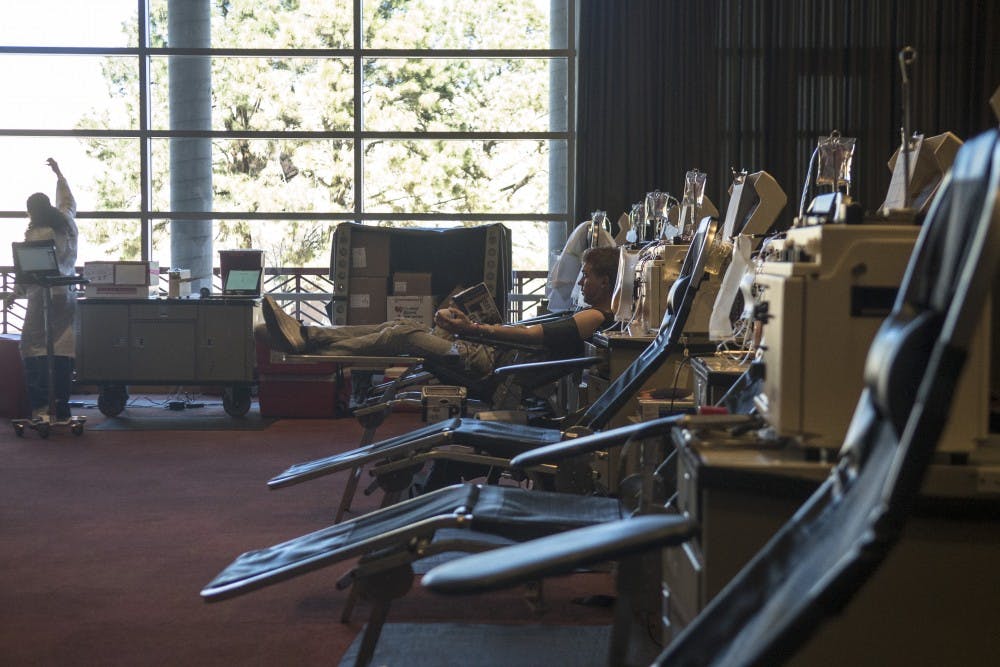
column 485, row 443
column 826, row 552
column 461, row 518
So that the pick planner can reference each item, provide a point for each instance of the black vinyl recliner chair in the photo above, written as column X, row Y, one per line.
column 460, row 518
column 814, row 565
column 397, row 460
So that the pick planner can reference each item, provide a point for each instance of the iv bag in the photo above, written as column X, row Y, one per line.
column 835, row 154
column 694, row 187
column 694, row 196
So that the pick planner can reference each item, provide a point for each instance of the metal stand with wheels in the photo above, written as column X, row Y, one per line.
column 41, row 426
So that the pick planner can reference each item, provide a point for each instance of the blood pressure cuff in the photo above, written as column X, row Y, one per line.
column 562, row 338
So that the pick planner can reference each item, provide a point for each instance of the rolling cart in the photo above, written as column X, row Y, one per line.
column 157, row 342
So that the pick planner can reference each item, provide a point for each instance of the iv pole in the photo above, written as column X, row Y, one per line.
column 907, row 55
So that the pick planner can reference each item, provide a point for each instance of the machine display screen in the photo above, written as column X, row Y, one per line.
column 242, row 281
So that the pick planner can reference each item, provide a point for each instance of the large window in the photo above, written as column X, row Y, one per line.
column 274, row 120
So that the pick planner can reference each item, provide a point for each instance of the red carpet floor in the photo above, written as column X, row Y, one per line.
column 106, row 540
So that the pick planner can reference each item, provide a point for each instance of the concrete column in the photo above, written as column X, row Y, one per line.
column 189, row 26
column 558, row 90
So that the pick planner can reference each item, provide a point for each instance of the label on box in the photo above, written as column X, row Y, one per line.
column 411, row 283
column 99, row 273
column 419, row 308
column 359, row 258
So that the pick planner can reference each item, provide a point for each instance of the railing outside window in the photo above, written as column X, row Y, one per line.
column 302, row 292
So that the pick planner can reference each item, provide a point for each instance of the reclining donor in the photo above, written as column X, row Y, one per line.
column 561, row 337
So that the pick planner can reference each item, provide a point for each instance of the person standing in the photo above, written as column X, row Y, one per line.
column 58, row 224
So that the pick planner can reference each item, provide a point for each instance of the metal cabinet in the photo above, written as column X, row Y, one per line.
column 125, row 342
column 930, row 603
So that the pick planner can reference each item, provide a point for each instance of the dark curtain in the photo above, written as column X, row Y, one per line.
column 670, row 85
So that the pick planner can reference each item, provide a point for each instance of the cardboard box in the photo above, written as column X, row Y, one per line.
column 178, row 283
column 411, row 284
column 411, row 307
column 366, row 299
column 120, row 291
column 369, row 254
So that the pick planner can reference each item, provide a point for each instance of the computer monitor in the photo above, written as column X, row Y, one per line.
column 242, row 282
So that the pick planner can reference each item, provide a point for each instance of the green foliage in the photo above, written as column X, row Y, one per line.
column 317, row 94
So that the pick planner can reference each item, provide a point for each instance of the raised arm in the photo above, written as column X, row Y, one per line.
column 65, row 201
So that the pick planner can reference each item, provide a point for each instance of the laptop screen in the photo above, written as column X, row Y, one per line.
column 242, row 281
column 35, row 258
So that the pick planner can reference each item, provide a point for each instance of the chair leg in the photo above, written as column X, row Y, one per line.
column 373, row 630
column 349, row 491
column 380, row 590
column 349, row 604
column 637, row 584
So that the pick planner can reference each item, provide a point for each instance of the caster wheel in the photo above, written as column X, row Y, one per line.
column 112, row 400
column 43, row 429
column 236, row 401
column 77, row 429
column 19, row 430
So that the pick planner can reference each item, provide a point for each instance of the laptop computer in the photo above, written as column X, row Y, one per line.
column 35, row 261
column 242, row 282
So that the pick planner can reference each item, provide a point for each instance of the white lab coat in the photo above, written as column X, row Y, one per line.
column 63, row 310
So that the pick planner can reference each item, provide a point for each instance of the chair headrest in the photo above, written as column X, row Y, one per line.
column 897, row 362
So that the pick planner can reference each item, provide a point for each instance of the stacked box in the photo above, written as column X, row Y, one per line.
column 406, row 283
column 366, row 300
column 127, row 280
column 367, row 251
column 411, row 297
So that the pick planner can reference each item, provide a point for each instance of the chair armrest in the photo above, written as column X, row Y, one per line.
column 561, row 553
column 618, row 436
column 564, row 365
column 594, row 442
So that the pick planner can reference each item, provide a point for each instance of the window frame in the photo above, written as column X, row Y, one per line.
column 561, row 176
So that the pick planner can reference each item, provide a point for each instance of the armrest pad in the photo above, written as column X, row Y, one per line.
column 566, row 365
column 595, row 442
column 558, row 554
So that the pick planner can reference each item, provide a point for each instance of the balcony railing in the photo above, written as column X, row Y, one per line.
column 302, row 292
